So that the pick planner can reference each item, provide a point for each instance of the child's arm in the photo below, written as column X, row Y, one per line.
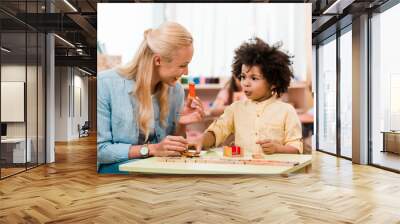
column 287, row 149
column 219, row 130
column 271, row 147
column 293, row 134
column 208, row 140
column 292, row 141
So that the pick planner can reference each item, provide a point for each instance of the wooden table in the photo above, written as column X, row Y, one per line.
column 280, row 164
column 391, row 141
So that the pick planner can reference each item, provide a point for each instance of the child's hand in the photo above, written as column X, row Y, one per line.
column 269, row 146
column 197, row 146
column 195, row 141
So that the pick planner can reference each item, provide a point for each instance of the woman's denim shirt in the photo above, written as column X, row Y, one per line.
column 117, row 125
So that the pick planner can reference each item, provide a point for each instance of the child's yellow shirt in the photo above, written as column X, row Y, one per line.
column 251, row 121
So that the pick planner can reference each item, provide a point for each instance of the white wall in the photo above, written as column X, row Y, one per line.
column 217, row 30
column 61, row 103
column 67, row 115
column 33, row 127
column 16, row 73
column 79, row 117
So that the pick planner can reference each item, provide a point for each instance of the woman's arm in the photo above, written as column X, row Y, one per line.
column 189, row 115
column 180, row 130
column 107, row 151
column 184, row 113
column 134, row 151
column 169, row 146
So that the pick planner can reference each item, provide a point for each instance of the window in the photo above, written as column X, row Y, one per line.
column 121, row 26
column 22, row 68
column 346, row 94
column 385, row 89
column 218, row 29
column 326, row 99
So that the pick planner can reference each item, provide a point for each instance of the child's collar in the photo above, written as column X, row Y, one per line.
column 270, row 99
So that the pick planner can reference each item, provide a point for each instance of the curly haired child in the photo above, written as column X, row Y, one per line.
column 261, row 124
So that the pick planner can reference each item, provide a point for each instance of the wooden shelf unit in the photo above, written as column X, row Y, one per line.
column 206, row 86
column 296, row 94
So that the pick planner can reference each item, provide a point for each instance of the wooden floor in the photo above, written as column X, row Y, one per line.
column 10, row 171
column 70, row 191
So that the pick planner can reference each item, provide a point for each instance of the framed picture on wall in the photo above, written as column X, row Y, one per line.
column 12, row 101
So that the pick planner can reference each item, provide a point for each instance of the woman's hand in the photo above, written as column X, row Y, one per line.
column 192, row 112
column 169, row 146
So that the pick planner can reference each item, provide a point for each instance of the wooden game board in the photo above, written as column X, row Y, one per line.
column 216, row 160
column 213, row 162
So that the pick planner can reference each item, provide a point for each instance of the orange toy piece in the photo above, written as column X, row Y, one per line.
column 192, row 90
column 227, row 151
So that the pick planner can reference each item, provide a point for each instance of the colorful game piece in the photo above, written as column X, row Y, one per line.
column 192, row 90
column 189, row 154
column 227, row 151
column 233, row 151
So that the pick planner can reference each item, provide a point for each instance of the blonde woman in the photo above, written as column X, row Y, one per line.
column 140, row 106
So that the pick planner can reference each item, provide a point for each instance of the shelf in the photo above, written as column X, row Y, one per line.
column 297, row 85
column 206, row 86
column 293, row 85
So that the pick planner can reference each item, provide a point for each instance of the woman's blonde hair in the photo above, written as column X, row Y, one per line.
column 164, row 40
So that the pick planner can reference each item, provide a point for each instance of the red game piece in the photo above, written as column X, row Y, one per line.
column 192, row 90
column 234, row 150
